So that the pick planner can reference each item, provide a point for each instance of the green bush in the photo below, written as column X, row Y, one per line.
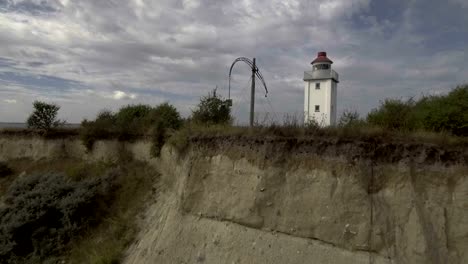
column 166, row 118
column 393, row 114
column 126, row 124
column 5, row 170
column 103, row 127
column 81, row 171
column 441, row 113
column 130, row 119
column 43, row 212
column 445, row 113
column 107, row 242
column 167, row 115
column 158, row 139
column 130, row 122
column 180, row 139
column 212, row 110
column 131, row 113
column 44, row 116
column 106, row 118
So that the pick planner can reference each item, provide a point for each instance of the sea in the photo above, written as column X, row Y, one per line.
column 24, row 125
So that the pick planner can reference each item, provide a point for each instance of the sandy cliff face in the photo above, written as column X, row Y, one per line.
column 231, row 200
column 37, row 148
column 263, row 202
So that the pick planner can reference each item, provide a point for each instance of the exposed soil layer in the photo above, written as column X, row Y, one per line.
column 375, row 150
column 51, row 134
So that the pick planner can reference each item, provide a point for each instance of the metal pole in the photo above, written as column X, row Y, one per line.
column 252, row 95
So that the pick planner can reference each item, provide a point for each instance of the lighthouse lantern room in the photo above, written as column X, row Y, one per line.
column 320, row 92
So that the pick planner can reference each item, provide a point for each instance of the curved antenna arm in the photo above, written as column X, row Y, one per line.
column 257, row 73
column 260, row 76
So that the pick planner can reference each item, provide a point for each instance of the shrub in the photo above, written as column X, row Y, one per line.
column 5, row 170
column 212, row 109
column 445, row 113
column 130, row 113
column 312, row 127
column 392, row 114
column 108, row 241
column 43, row 212
column 180, row 139
column 130, row 120
column 164, row 117
column 81, row 171
column 167, row 115
column 103, row 127
column 44, row 116
column 350, row 119
column 158, row 138
column 106, row 117
column 441, row 113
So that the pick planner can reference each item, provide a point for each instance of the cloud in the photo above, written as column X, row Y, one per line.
column 119, row 95
column 462, row 3
column 107, row 52
column 10, row 101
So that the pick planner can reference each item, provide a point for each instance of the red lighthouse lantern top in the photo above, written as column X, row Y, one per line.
column 322, row 57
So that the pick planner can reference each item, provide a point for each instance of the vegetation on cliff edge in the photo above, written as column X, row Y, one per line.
column 80, row 214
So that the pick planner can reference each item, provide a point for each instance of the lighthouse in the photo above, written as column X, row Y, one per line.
column 320, row 92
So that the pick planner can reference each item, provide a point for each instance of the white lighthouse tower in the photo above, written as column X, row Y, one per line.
column 320, row 92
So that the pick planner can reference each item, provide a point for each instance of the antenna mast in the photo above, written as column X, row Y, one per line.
column 255, row 72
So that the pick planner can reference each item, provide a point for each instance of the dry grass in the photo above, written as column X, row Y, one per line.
column 289, row 128
column 52, row 133
column 181, row 138
column 106, row 243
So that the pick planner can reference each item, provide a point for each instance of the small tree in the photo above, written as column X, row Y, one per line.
column 167, row 115
column 129, row 120
column 212, row 109
column 163, row 118
column 103, row 127
column 350, row 118
column 132, row 114
column 44, row 116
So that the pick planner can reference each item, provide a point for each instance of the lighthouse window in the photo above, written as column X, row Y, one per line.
column 317, row 108
column 317, row 86
column 321, row 67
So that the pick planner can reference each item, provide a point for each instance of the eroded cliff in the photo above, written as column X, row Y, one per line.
column 273, row 200
column 318, row 201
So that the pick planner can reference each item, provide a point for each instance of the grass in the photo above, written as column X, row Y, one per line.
column 106, row 243
column 52, row 133
column 290, row 128
column 180, row 139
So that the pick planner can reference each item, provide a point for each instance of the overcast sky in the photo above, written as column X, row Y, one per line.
column 88, row 55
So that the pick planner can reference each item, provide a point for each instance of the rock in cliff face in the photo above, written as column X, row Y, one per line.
column 274, row 203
